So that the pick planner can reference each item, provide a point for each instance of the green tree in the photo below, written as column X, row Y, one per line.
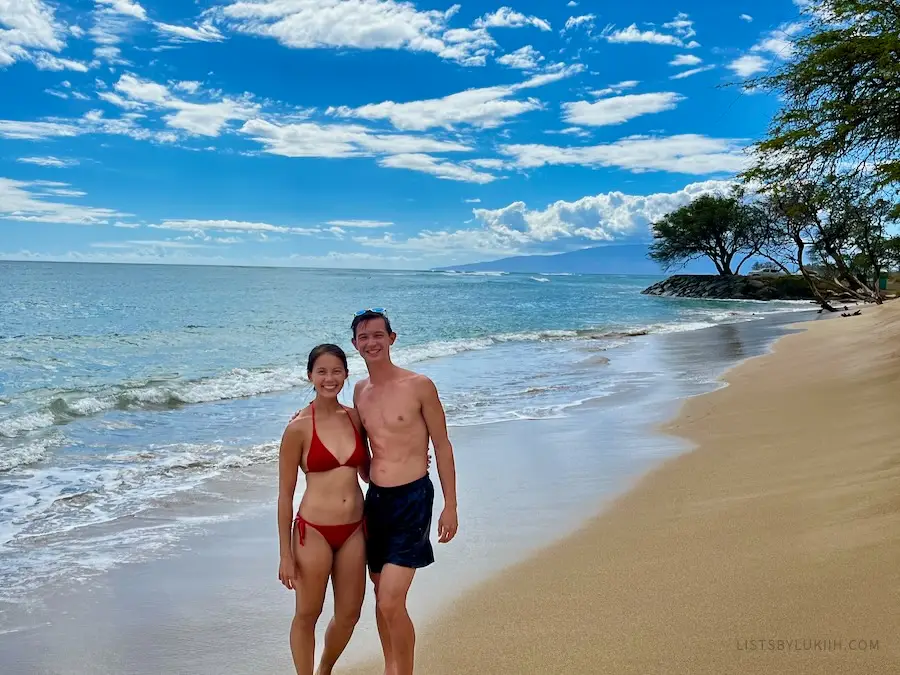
column 840, row 94
column 892, row 253
column 832, row 230
column 723, row 229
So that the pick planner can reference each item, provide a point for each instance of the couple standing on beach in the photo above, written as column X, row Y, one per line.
column 337, row 531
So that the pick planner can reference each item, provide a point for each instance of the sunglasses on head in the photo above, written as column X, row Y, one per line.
column 376, row 310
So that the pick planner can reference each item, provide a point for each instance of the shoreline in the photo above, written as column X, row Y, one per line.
column 213, row 591
column 769, row 546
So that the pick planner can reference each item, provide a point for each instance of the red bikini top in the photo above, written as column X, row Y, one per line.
column 319, row 458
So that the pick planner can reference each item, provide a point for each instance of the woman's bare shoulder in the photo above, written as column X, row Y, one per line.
column 299, row 425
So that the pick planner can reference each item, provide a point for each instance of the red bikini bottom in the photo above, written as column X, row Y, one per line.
column 335, row 535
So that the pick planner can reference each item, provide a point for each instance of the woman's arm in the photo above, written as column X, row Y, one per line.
column 364, row 467
column 288, row 465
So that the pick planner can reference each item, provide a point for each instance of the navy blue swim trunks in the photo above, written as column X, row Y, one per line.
column 398, row 524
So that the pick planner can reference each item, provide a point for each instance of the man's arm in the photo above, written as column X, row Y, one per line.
column 436, row 423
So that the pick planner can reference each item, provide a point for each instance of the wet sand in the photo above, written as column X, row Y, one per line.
column 772, row 547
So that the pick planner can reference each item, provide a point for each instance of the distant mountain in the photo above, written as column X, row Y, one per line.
column 612, row 259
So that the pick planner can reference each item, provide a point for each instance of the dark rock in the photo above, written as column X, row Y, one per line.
column 756, row 287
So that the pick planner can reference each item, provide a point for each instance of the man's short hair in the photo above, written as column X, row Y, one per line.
column 368, row 315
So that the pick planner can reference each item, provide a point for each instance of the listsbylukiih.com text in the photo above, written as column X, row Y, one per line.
column 806, row 645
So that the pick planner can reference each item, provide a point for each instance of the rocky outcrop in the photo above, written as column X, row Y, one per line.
column 754, row 287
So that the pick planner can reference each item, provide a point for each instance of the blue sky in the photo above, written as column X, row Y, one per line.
column 368, row 133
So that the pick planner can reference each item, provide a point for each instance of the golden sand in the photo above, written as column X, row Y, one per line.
column 772, row 547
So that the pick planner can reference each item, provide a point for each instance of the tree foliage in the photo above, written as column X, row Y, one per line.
column 840, row 93
column 723, row 229
column 832, row 230
column 892, row 253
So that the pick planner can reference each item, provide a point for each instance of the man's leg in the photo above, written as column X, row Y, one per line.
column 391, row 590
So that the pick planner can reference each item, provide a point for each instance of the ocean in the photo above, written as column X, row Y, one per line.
column 129, row 392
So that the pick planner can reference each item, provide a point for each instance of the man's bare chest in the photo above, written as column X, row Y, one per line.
column 388, row 414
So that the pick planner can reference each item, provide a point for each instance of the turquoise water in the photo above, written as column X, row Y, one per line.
column 124, row 389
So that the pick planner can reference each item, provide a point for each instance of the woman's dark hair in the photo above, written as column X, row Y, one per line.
column 316, row 352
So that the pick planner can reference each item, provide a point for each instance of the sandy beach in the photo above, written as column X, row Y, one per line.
column 772, row 547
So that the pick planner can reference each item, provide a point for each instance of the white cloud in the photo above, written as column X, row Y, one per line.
column 189, row 86
column 681, row 26
column 571, row 3
column 204, row 119
column 516, row 229
column 54, row 162
column 93, row 122
column 474, row 200
column 506, row 17
column 125, row 8
column 617, row 88
column 436, row 167
column 109, row 54
column 30, row 28
column 526, row 58
column 205, row 32
column 573, row 22
column 115, row 17
column 690, row 73
column 310, row 139
column 778, row 43
column 483, row 108
column 147, row 243
column 489, row 163
column 359, row 24
column 552, row 73
column 64, row 192
column 619, row 109
column 686, row 60
column 207, row 119
column 748, row 65
column 570, row 131
column 440, row 243
column 192, row 225
column 45, row 61
column 149, row 251
column 607, row 216
column 633, row 34
column 746, row 17
column 32, row 201
column 33, row 131
column 115, row 99
column 683, row 153
column 374, row 224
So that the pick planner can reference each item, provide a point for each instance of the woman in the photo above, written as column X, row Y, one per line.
column 324, row 440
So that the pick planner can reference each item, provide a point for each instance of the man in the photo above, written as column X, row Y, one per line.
column 400, row 410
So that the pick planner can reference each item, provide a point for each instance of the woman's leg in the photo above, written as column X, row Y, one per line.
column 348, row 578
column 314, row 561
